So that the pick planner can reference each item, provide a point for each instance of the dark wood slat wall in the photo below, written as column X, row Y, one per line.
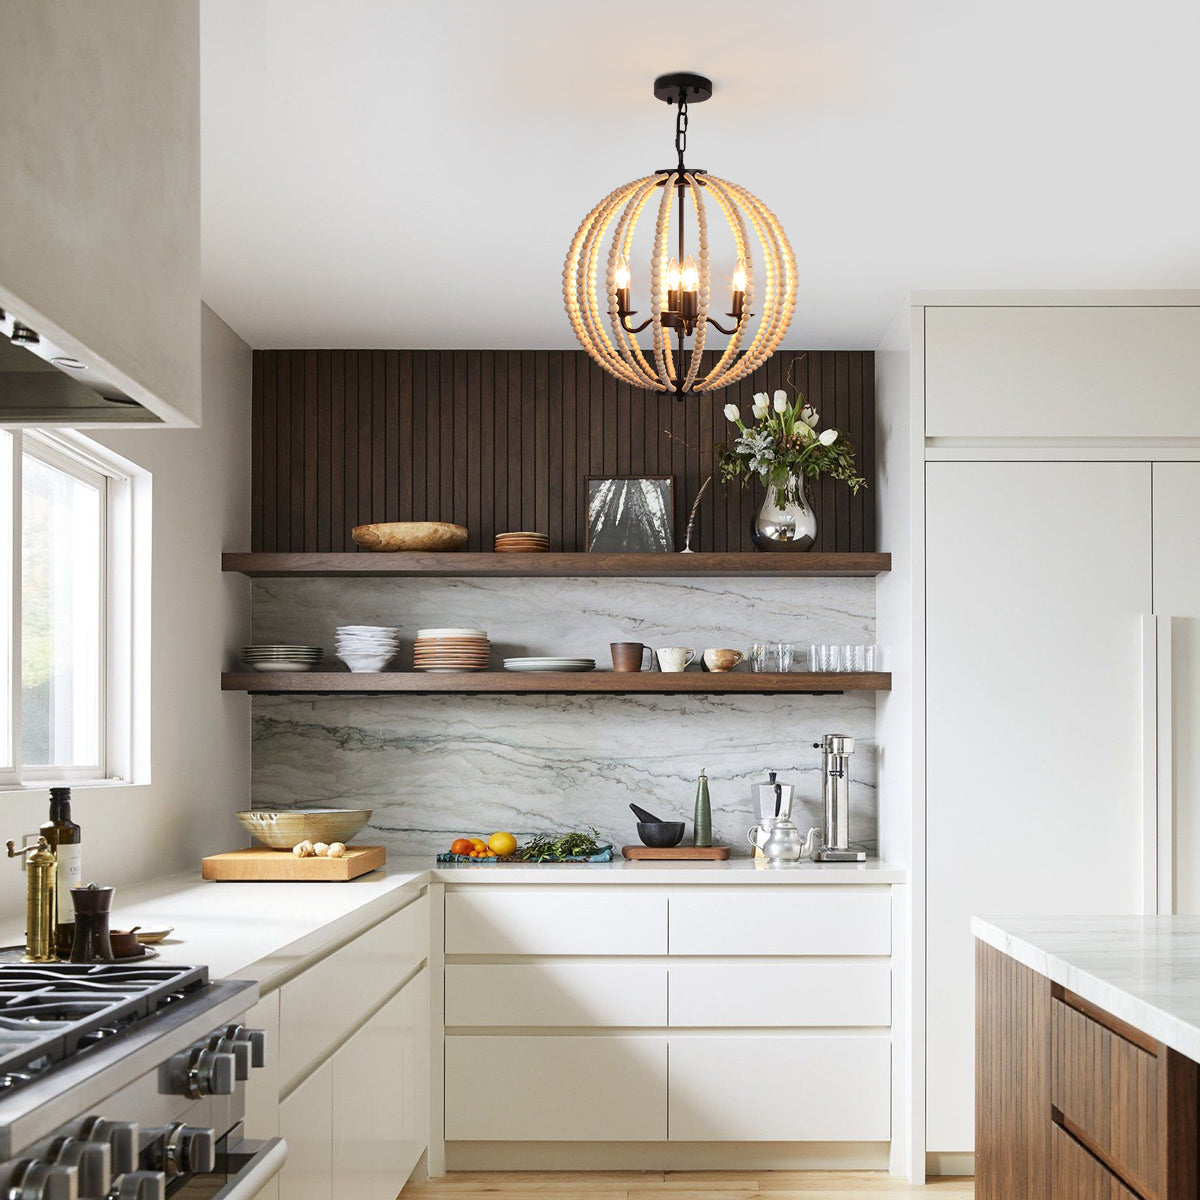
column 504, row 439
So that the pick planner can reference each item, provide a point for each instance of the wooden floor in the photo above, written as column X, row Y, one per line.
column 679, row 1185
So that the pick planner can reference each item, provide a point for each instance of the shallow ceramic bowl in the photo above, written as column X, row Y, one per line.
column 660, row 834
column 410, row 535
column 281, row 830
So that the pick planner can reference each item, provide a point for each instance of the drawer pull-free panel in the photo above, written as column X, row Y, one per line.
column 547, row 1089
column 556, row 993
column 555, row 920
column 813, row 1088
column 780, row 994
column 800, row 920
column 1077, row 1175
column 1107, row 1088
column 323, row 1005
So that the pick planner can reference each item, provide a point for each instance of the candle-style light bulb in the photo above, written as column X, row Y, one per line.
column 673, row 275
column 689, row 277
column 621, row 274
column 739, row 277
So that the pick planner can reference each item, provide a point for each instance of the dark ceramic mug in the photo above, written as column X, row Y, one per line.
column 629, row 656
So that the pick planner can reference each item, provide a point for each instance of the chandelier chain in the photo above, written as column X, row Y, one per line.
column 681, row 124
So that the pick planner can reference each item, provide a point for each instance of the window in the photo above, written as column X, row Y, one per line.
column 65, row 584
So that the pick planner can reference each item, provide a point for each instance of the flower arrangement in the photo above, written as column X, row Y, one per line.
column 784, row 447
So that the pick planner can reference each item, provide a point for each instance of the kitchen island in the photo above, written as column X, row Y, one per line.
column 1087, row 1045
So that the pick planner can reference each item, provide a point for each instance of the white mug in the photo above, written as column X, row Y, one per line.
column 675, row 658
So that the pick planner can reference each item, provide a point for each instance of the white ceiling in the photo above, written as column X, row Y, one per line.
column 394, row 173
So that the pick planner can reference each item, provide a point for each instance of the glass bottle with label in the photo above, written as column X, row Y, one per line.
column 66, row 840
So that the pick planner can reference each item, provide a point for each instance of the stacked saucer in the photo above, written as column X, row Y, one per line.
column 444, row 650
column 282, row 658
column 549, row 664
column 367, row 648
column 522, row 543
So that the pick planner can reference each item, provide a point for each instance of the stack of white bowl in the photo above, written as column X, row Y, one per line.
column 367, row 648
column 282, row 658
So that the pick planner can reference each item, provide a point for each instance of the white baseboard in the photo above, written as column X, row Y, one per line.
column 667, row 1156
column 949, row 1164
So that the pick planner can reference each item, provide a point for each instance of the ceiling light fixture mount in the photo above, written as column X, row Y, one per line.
column 680, row 292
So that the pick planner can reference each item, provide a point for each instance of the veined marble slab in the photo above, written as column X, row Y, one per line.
column 433, row 767
column 1143, row 970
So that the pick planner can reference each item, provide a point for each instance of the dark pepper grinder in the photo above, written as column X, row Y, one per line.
column 92, row 907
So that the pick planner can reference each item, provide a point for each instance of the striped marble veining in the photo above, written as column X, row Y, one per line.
column 435, row 766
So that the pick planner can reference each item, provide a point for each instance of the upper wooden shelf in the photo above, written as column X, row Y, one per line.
column 626, row 566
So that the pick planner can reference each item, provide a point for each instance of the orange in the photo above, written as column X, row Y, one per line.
column 461, row 846
column 479, row 843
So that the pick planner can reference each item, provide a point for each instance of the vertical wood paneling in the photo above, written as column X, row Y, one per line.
column 504, row 439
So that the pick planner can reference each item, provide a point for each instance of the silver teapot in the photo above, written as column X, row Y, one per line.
column 780, row 840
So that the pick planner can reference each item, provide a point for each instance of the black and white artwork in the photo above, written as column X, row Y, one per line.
column 630, row 513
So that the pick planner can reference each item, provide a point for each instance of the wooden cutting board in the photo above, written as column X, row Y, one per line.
column 687, row 853
column 282, row 866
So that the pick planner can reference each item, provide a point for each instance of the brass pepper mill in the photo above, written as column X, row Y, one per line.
column 41, row 867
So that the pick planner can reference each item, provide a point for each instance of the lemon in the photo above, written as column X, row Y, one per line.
column 502, row 843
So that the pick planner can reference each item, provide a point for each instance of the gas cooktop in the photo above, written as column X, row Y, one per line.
column 50, row 1012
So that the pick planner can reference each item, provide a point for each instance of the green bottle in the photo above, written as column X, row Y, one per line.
column 702, row 818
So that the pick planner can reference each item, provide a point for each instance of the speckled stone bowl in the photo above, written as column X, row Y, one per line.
column 282, row 829
column 410, row 535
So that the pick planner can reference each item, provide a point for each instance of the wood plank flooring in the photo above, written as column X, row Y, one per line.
column 680, row 1185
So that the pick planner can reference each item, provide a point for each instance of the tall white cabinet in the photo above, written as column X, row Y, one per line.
column 1038, row 494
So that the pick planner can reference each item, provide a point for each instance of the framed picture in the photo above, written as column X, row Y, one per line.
column 633, row 513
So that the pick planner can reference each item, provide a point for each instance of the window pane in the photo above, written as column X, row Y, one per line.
column 61, row 577
column 6, row 591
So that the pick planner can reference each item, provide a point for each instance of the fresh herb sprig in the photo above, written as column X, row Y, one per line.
column 545, row 847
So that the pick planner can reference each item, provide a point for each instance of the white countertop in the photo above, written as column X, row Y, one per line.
column 270, row 931
column 1143, row 970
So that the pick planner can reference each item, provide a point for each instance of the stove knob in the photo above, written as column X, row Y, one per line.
column 240, row 1051
column 33, row 1180
column 188, row 1150
column 122, row 1136
column 93, row 1161
column 256, row 1039
column 140, row 1185
column 216, row 1073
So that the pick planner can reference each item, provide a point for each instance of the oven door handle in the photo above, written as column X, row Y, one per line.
column 263, row 1165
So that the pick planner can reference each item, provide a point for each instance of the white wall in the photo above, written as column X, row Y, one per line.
column 100, row 191
column 200, row 746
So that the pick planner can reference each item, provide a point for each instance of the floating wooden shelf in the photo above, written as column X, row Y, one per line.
column 534, row 683
column 625, row 566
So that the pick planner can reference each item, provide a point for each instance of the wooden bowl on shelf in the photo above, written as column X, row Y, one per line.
column 410, row 535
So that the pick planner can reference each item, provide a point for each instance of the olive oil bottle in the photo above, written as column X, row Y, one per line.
column 66, row 840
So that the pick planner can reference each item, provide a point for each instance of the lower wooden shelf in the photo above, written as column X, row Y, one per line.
column 533, row 683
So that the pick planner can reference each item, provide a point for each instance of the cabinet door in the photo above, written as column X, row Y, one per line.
column 262, row 1088
column 1036, row 576
column 1177, row 604
column 305, row 1118
column 414, row 1031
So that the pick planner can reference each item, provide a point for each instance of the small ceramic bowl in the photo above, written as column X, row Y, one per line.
column 660, row 834
column 282, row 829
column 125, row 943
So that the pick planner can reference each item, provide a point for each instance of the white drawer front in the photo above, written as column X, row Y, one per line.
column 779, row 995
column 574, row 1089
column 556, row 993
column 832, row 920
column 807, row 1088
column 322, row 1005
column 555, row 920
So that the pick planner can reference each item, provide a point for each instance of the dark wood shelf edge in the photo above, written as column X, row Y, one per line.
column 577, row 563
column 531, row 683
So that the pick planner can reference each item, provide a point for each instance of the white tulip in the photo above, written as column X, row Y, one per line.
column 761, row 400
column 732, row 413
column 809, row 416
column 828, row 437
column 759, row 413
column 781, row 401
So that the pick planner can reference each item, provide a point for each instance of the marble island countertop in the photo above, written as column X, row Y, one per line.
column 1143, row 970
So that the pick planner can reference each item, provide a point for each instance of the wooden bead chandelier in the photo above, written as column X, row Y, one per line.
column 680, row 294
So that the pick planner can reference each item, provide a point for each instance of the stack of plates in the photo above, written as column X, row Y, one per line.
column 444, row 650
column 282, row 658
column 522, row 543
column 367, row 648
column 549, row 664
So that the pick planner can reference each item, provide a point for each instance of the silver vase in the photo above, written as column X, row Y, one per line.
column 786, row 520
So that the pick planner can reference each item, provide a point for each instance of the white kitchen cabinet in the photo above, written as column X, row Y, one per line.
column 555, row 993
column 780, row 995
column 806, row 920
column 413, row 1022
column 1062, row 371
column 305, row 1118
column 781, row 1088
column 544, row 1089
column 1038, row 579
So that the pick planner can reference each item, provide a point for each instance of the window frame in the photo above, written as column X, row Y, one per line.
column 120, row 595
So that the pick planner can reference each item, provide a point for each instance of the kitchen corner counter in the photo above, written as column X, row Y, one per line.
column 1143, row 970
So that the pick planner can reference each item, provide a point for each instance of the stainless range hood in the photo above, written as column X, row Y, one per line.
column 42, row 383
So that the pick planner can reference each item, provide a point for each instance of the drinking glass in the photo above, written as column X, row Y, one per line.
column 758, row 656
column 855, row 658
column 784, row 653
column 874, row 658
column 814, row 658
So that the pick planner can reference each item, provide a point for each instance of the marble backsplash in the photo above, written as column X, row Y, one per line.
column 435, row 766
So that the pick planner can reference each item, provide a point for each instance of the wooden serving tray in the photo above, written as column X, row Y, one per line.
column 692, row 853
column 282, row 866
